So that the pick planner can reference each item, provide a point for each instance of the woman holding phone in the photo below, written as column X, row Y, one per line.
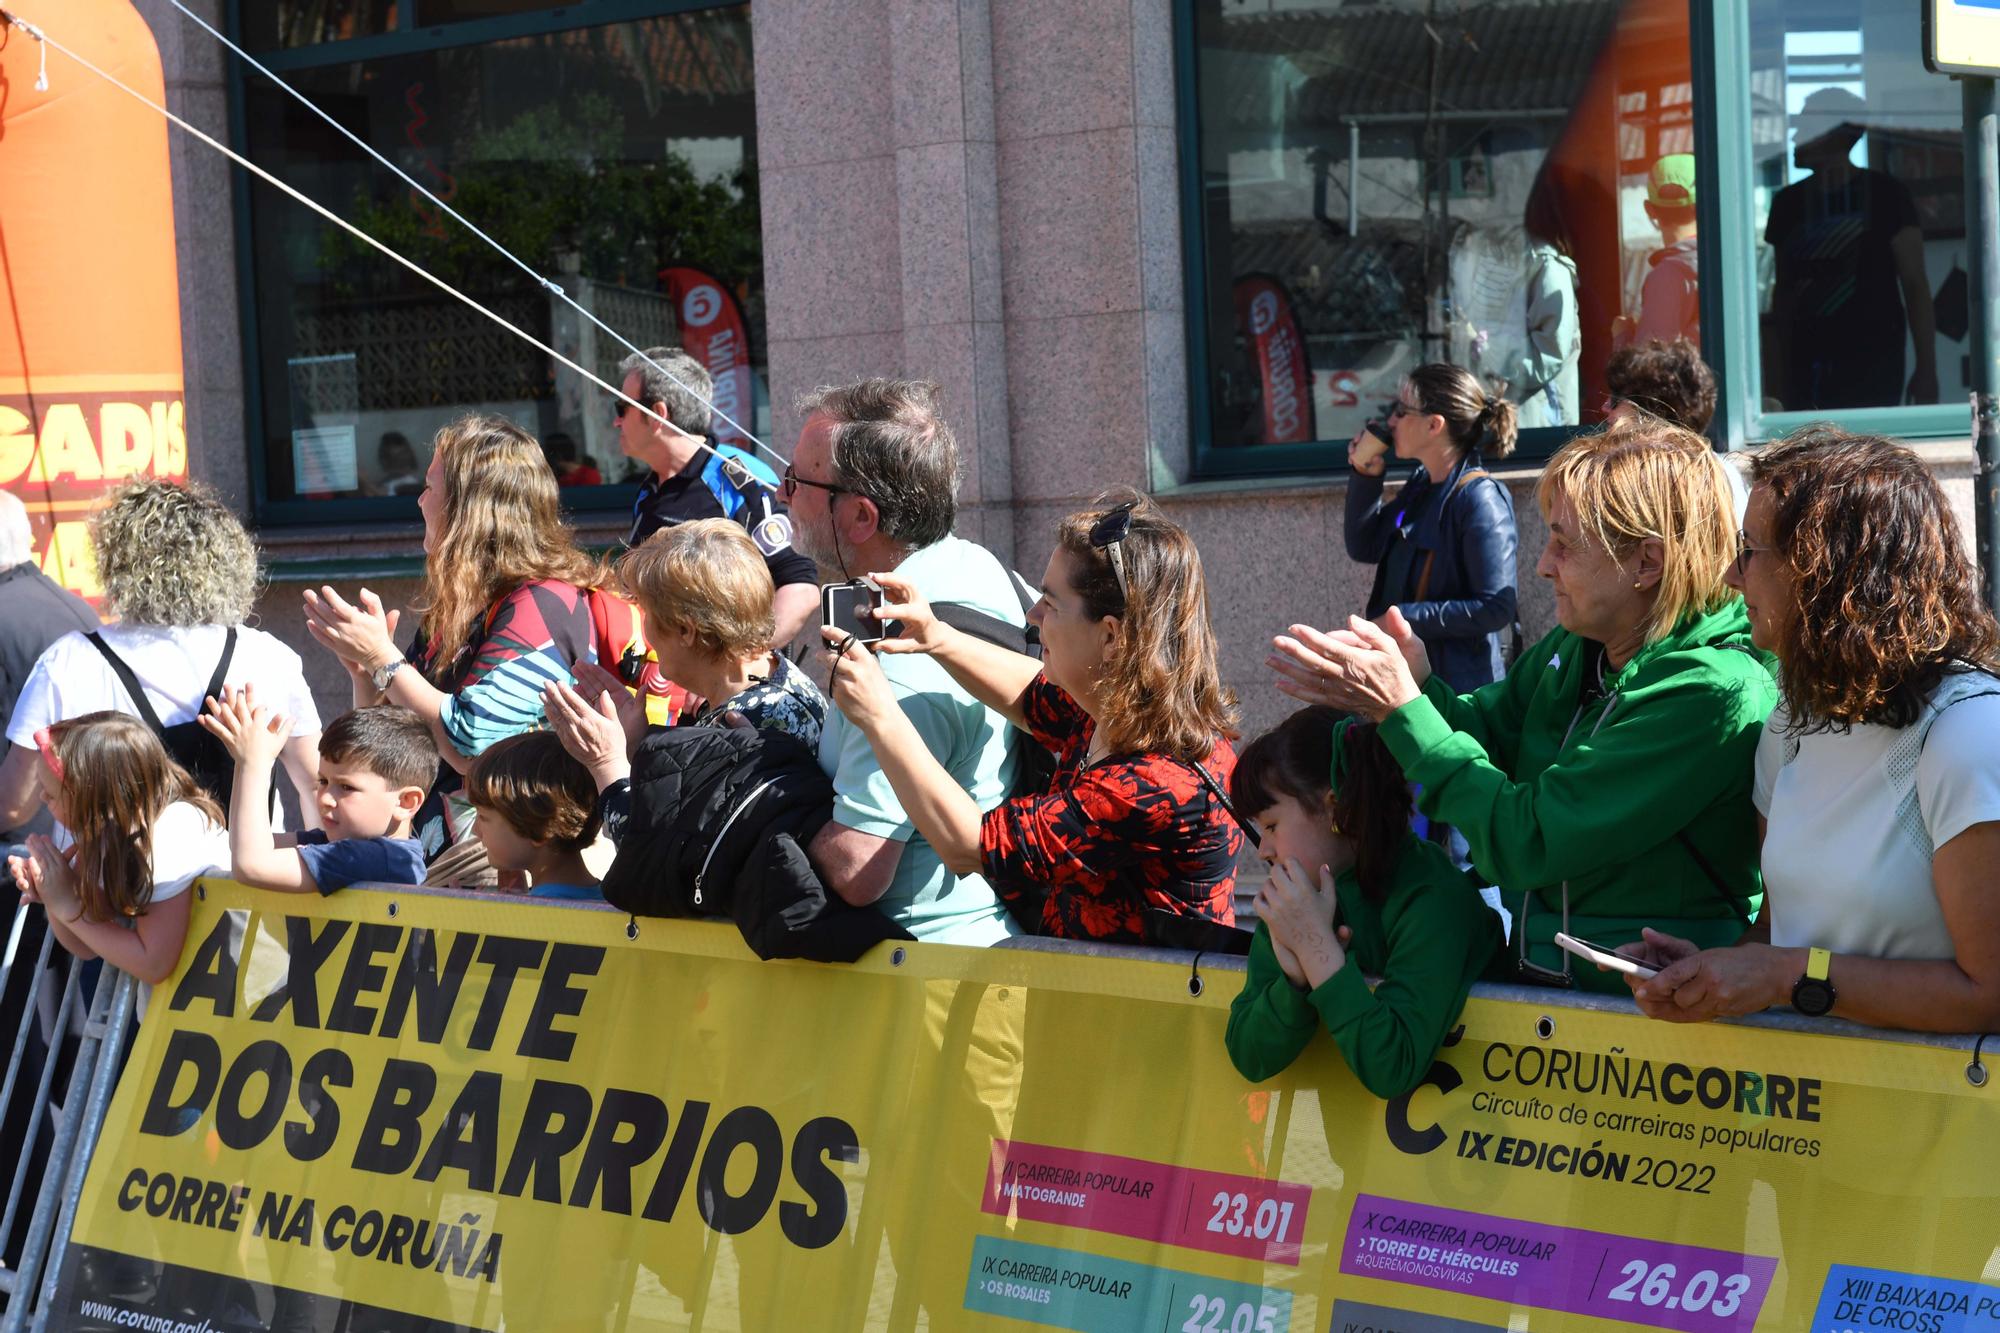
column 1127, row 696
column 1444, row 546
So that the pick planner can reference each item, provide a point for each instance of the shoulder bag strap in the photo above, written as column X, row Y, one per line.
column 221, row 668
column 140, row 704
column 1430, row 557
column 1708, row 869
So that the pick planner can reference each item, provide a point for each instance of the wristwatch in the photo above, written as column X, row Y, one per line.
column 379, row 677
column 1812, row 994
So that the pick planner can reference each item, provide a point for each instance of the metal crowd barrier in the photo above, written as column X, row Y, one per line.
column 60, row 1003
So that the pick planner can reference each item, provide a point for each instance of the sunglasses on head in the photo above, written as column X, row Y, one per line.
column 1113, row 527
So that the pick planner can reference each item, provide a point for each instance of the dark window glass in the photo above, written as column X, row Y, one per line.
column 457, row 11
column 284, row 23
column 618, row 160
column 1860, row 198
column 1506, row 185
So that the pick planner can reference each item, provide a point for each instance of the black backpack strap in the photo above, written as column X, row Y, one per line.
column 131, row 683
column 1020, row 639
column 1708, row 869
column 221, row 670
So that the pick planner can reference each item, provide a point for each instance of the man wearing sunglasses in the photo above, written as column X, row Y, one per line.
column 688, row 482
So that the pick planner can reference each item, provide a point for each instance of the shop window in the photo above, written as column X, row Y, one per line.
column 294, row 23
column 1379, row 183
column 619, row 160
column 1859, row 197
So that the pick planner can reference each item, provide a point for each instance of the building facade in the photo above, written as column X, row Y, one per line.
column 1184, row 245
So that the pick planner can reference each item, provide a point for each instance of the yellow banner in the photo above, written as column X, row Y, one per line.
column 483, row 1113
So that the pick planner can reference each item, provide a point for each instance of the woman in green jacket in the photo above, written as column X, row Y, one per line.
column 1604, row 783
column 1352, row 889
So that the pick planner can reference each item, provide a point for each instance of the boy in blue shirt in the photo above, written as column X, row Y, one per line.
column 536, row 811
column 375, row 764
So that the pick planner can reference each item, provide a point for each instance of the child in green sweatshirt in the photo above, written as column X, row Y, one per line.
column 1352, row 889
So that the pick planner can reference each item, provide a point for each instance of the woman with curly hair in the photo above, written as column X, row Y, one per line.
column 1878, row 776
column 179, row 576
column 506, row 611
column 1134, row 834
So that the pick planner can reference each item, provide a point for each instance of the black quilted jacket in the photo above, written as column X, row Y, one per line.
column 718, row 823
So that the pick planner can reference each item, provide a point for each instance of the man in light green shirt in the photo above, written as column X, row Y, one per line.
column 872, row 489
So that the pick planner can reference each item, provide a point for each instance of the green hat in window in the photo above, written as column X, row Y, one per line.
column 1670, row 184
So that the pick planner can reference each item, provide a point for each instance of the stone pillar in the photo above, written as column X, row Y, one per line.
column 205, row 228
column 881, row 230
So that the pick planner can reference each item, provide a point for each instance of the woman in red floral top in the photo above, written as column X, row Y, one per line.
column 1128, row 699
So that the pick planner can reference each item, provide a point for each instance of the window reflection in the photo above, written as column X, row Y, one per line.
column 1860, row 202
column 618, row 160
column 1506, row 186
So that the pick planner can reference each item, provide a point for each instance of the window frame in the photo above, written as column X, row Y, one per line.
column 1729, row 217
column 1719, row 33
column 405, row 40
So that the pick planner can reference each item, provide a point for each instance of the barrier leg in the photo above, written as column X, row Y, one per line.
column 42, row 1225
column 24, row 1281
column 28, row 1016
column 107, row 1027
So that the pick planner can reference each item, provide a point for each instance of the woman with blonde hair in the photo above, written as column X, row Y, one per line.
column 506, row 610
column 708, row 598
column 1605, row 782
column 180, row 577
column 1135, row 831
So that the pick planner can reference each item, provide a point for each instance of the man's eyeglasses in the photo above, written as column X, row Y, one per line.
column 789, row 486
column 1105, row 535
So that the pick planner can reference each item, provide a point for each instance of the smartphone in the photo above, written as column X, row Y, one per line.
column 849, row 607
column 1617, row 962
column 1373, row 443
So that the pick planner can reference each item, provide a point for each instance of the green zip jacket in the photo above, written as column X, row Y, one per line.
column 1427, row 940
column 1549, row 793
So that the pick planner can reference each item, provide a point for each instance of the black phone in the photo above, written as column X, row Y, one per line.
column 849, row 607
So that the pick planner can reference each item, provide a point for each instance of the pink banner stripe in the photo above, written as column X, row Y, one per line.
column 1125, row 1196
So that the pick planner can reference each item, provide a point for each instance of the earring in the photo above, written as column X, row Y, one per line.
column 1638, row 585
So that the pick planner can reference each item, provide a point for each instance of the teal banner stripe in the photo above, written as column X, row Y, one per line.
column 1065, row 1289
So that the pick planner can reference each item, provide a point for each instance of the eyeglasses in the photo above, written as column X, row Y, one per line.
column 1399, row 408
column 789, row 486
column 1744, row 550
column 1112, row 528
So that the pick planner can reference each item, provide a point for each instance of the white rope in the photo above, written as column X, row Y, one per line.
column 39, row 35
column 554, row 288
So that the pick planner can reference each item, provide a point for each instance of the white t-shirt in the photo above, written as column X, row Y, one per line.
column 1842, row 870
column 185, row 847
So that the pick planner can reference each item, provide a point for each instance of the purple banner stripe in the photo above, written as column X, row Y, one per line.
column 1686, row 1287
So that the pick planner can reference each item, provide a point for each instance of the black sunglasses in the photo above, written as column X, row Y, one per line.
column 1113, row 527
column 790, row 483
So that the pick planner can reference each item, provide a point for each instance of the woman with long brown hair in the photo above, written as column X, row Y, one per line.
column 1134, row 831
column 506, row 610
column 143, row 830
column 1878, row 775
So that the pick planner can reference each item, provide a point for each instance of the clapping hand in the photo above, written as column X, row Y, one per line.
column 1367, row 668
column 599, row 722
column 253, row 736
column 48, row 876
column 358, row 632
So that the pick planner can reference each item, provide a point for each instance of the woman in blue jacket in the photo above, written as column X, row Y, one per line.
column 1444, row 546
